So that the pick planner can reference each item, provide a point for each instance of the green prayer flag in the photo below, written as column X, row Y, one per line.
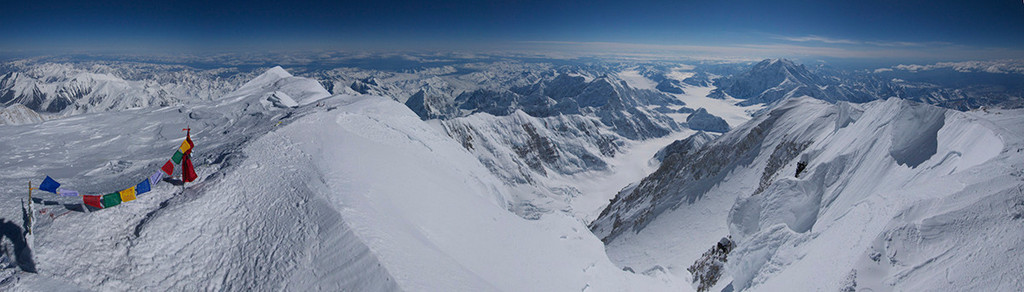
column 111, row 199
column 177, row 157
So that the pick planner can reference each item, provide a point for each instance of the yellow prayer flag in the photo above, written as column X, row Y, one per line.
column 185, row 147
column 128, row 194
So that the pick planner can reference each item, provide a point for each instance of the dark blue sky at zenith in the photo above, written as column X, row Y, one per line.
column 941, row 30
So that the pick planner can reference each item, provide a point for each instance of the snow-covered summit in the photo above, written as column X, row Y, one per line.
column 775, row 79
column 18, row 114
column 277, row 86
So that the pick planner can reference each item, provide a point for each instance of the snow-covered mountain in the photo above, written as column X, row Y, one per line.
column 885, row 195
column 75, row 88
column 18, row 114
column 772, row 80
column 775, row 79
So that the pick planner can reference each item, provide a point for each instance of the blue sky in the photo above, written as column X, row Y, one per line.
column 940, row 30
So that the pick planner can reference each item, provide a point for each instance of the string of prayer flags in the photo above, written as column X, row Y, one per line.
column 49, row 185
column 182, row 156
column 93, row 200
column 67, row 193
column 128, row 194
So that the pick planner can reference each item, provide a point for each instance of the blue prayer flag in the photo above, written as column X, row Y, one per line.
column 142, row 187
column 49, row 185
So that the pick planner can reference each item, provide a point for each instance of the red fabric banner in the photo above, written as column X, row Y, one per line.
column 95, row 201
column 168, row 168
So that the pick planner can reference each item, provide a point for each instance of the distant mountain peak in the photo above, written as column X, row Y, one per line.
column 772, row 80
column 277, row 71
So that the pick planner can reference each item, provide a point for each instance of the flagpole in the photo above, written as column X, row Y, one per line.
column 31, row 213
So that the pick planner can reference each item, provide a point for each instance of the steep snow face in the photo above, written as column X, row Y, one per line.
column 933, row 158
column 874, row 172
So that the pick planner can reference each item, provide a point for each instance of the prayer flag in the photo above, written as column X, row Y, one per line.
column 67, row 193
column 188, row 174
column 95, row 201
column 168, row 168
column 49, row 185
column 128, row 194
column 155, row 178
column 177, row 157
column 111, row 199
column 185, row 146
column 142, row 187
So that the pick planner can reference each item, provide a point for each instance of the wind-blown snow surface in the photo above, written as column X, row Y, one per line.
column 359, row 194
column 433, row 214
column 896, row 196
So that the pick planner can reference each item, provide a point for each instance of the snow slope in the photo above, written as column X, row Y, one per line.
column 932, row 198
column 435, row 215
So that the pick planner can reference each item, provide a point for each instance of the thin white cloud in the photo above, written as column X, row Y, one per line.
column 907, row 44
column 820, row 39
column 839, row 41
column 770, row 50
column 999, row 66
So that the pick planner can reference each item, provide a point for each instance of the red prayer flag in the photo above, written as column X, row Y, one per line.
column 168, row 168
column 187, row 173
column 95, row 201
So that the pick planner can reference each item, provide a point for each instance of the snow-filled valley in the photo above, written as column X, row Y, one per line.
column 504, row 176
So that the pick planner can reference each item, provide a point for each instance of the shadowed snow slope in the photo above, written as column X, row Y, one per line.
column 895, row 196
